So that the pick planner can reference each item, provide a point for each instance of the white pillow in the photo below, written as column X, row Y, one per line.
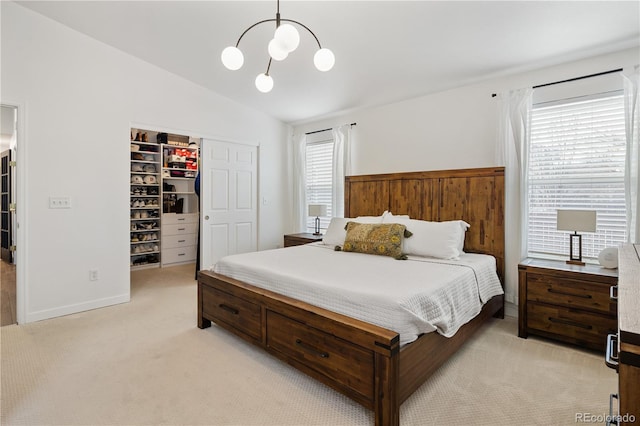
column 464, row 225
column 443, row 240
column 388, row 217
column 368, row 219
column 336, row 233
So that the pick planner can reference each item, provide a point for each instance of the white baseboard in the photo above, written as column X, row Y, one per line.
column 73, row 309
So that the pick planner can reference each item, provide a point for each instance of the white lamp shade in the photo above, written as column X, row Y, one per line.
column 276, row 51
column 232, row 58
column 317, row 210
column 577, row 220
column 288, row 37
column 264, row 83
column 324, row 59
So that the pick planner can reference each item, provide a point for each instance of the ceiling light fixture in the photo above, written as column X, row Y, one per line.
column 285, row 40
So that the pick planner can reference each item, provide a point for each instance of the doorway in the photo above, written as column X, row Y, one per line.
column 8, row 144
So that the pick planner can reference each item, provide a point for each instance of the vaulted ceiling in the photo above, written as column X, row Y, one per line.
column 385, row 51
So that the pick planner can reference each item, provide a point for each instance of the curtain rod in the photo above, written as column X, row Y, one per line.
column 493, row 95
column 324, row 130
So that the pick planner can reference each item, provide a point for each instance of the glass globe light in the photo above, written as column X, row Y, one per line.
column 232, row 58
column 288, row 37
column 324, row 59
column 264, row 83
column 276, row 51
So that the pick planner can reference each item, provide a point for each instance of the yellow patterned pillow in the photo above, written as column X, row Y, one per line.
column 376, row 238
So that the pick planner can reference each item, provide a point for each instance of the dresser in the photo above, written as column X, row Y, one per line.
column 302, row 238
column 179, row 238
column 623, row 348
column 569, row 303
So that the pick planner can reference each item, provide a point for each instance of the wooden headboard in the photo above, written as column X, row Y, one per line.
column 473, row 195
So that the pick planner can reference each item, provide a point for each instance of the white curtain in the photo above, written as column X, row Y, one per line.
column 299, row 178
column 514, row 120
column 632, row 166
column 341, row 165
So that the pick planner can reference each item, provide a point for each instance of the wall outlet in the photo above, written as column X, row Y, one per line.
column 93, row 275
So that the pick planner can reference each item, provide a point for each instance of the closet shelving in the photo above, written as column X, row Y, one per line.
column 145, row 229
column 163, row 203
column 179, row 202
column 179, row 170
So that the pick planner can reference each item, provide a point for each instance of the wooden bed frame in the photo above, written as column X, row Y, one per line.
column 361, row 360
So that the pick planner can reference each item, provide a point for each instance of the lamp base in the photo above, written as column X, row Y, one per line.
column 575, row 256
column 317, row 229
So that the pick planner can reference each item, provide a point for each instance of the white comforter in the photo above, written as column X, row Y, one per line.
column 410, row 297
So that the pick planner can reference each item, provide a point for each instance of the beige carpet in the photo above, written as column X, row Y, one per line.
column 146, row 362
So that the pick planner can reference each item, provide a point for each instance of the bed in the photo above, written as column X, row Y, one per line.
column 362, row 360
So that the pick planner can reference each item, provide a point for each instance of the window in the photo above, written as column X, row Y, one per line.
column 577, row 161
column 319, row 166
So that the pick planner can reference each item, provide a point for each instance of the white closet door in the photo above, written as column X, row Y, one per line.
column 229, row 200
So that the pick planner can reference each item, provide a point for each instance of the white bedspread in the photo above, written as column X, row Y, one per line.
column 410, row 297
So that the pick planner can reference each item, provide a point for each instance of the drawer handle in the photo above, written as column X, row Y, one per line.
column 583, row 296
column 311, row 349
column 613, row 419
column 229, row 309
column 569, row 322
column 611, row 357
column 181, row 241
column 613, row 293
column 181, row 229
column 182, row 218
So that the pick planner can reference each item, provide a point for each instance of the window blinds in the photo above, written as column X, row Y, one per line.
column 576, row 161
column 319, row 162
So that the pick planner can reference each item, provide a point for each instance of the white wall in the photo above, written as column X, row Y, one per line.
column 7, row 126
column 78, row 99
column 454, row 129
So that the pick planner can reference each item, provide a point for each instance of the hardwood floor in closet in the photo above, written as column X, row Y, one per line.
column 7, row 294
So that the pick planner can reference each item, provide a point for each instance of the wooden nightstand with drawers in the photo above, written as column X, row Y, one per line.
column 299, row 239
column 566, row 302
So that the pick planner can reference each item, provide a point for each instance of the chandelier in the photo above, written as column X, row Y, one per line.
column 285, row 40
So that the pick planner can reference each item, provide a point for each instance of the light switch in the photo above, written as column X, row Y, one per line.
column 59, row 202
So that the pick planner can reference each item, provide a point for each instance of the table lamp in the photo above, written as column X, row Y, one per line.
column 317, row 210
column 576, row 220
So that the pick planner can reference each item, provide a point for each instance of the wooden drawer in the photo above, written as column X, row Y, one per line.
column 238, row 313
column 571, row 325
column 179, row 229
column 175, row 241
column 178, row 255
column 322, row 352
column 176, row 219
column 570, row 293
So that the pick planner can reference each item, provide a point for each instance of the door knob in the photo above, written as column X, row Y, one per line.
column 206, row 217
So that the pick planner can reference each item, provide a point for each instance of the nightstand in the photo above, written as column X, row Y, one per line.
column 566, row 302
column 299, row 239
